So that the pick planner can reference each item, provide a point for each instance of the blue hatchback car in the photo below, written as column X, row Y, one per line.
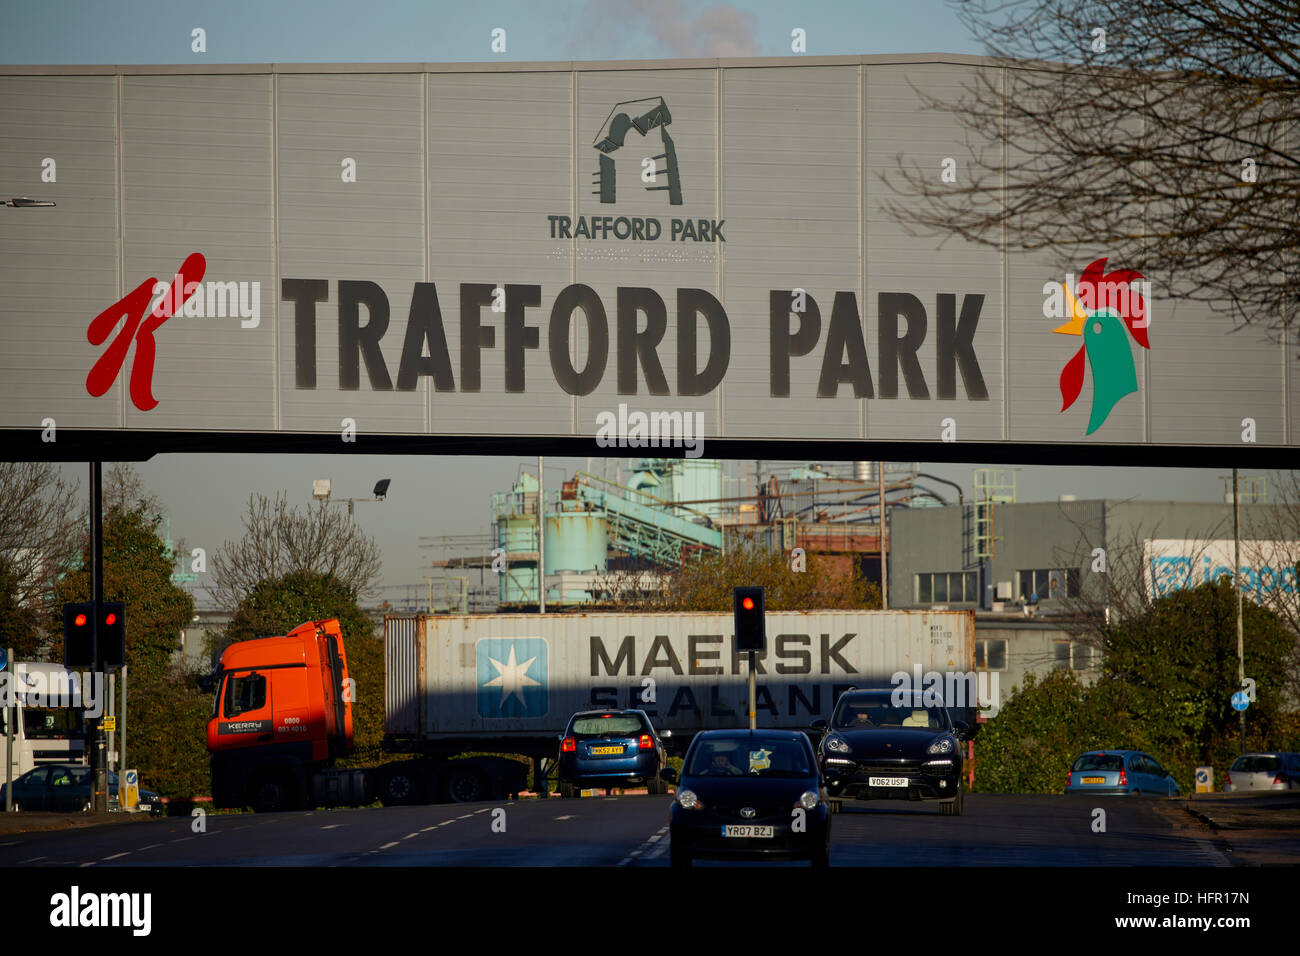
column 610, row 748
column 1129, row 772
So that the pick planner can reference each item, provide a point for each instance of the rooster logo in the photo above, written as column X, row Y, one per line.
column 1104, row 308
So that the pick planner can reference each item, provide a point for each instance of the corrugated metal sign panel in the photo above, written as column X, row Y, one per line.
column 504, row 674
column 457, row 252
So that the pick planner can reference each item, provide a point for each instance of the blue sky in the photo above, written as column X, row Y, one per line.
column 432, row 496
column 334, row 31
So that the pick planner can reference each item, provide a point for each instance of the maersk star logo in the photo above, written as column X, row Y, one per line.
column 512, row 677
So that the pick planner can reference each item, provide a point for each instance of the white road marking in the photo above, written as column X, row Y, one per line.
column 410, row 835
column 484, row 810
column 567, row 816
column 333, row 826
column 35, row 858
column 387, row 845
column 116, row 855
column 149, row 847
column 465, row 816
column 182, row 839
column 427, row 829
column 646, row 844
column 84, row 865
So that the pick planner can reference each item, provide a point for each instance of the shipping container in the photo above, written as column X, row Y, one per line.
column 466, row 677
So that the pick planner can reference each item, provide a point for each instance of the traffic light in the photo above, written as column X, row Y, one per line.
column 78, row 641
column 78, row 646
column 112, row 634
column 750, row 632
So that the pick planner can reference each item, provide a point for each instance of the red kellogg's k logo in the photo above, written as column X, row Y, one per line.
column 138, row 328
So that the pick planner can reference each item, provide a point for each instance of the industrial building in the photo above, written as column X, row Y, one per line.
column 654, row 513
column 1029, row 570
column 1032, row 570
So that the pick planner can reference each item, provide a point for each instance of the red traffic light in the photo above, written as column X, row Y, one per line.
column 79, row 620
column 747, row 604
column 111, row 619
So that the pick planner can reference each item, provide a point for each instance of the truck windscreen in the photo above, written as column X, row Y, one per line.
column 52, row 721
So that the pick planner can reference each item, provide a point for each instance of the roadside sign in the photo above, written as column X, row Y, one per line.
column 1240, row 701
column 110, row 724
column 4, row 658
column 1204, row 779
column 130, row 789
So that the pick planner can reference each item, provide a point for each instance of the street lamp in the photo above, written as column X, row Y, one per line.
column 320, row 489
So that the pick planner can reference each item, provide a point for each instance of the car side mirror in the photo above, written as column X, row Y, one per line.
column 818, row 724
column 668, row 774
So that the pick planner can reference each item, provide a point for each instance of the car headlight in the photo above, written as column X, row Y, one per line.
column 688, row 800
column 837, row 745
column 809, row 799
column 943, row 745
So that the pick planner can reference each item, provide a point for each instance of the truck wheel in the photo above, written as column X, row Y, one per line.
column 274, row 793
column 400, row 788
column 466, row 786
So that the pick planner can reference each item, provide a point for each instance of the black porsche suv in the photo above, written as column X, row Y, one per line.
column 887, row 744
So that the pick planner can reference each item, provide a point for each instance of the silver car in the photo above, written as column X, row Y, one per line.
column 1263, row 771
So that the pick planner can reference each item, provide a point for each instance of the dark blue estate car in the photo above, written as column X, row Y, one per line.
column 749, row 793
column 610, row 748
column 65, row 788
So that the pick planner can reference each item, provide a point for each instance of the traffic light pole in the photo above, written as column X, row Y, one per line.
column 95, row 729
column 753, row 694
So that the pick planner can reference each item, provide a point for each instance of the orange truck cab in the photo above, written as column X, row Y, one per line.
column 282, row 712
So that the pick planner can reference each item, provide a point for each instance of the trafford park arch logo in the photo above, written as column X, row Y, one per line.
column 1106, row 310
column 651, row 113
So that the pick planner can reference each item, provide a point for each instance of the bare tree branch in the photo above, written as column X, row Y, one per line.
column 42, row 528
column 1172, row 140
column 280, row 540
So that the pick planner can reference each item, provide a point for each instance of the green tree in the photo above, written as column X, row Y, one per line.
column 277, row 605
column 1166, row 688
column 137, row 572
column 165, row 709
column 1029, row 746
column 1178, row 662
column 707, row 583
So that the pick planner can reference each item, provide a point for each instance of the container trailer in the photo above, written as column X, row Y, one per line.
column 507, row 683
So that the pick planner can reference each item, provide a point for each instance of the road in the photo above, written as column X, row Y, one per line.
column 632, row 831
